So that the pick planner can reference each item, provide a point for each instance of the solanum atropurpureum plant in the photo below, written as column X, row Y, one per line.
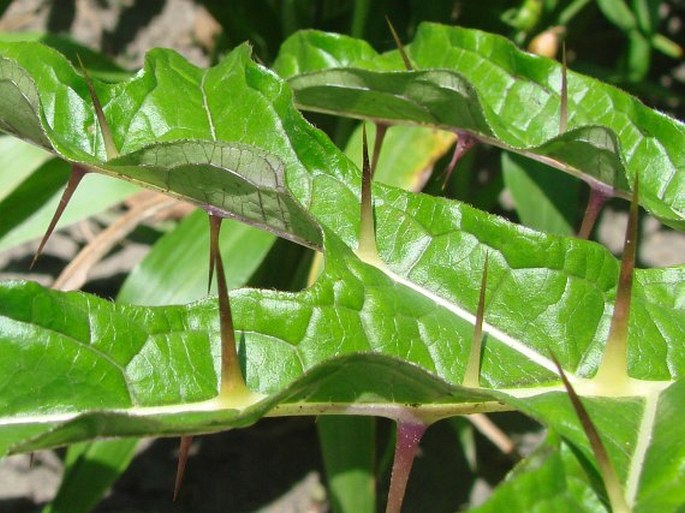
column 388, row 327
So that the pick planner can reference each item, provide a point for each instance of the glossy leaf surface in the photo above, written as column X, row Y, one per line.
column 388, row 337
column 481, row 83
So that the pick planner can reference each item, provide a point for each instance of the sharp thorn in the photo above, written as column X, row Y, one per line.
column 465, row 141
column 367, row 235
column 613, row 369
column 472, row 373
column 381, row 130
column 594, row 206
column 405, row 58
column 183, row 450
column 213, row 248
column 231, row 373
column 611, row 482
column 110, row 148
column 563, row 113
column 77, row 173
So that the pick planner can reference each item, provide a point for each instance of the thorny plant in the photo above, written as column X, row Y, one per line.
column 470, row 376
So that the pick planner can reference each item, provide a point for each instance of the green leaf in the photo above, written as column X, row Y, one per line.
column 481, row 83
column 98, row 64
column 348, row 449
column 201, row 160
column 17, row 161
column 662, row 470
column 174, row 272
column 388, row 337
column 543, row 200
column 169, row 274
column 549, row 480
column 618, row 13
column 90, row 469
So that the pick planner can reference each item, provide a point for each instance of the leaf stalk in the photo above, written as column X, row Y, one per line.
column 409, row 434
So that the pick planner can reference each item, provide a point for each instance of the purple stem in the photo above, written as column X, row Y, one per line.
column 594, row 205
column 409, row 434
column 465, row 141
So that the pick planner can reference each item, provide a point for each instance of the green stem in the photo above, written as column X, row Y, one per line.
column 359, row 16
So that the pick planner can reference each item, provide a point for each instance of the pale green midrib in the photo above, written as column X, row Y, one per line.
column 205, row 106
column 499, row 335
column 216, row 404
column 643, row 439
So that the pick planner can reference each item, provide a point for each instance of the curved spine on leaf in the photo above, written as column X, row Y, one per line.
column 594, row 205
column 482, row 84
column 183, row 452
column 110, row 145
column 611, row 483
column 563, row 97
column 408, row 437
column 381, row 130
column 465, row 141
column 232, row 381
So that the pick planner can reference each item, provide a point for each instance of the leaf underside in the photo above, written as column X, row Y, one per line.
column 472, row 81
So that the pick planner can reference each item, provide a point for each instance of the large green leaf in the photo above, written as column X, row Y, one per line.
column 482, row 84
column 174, row 130
column 168, row 274
column 388, row 337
